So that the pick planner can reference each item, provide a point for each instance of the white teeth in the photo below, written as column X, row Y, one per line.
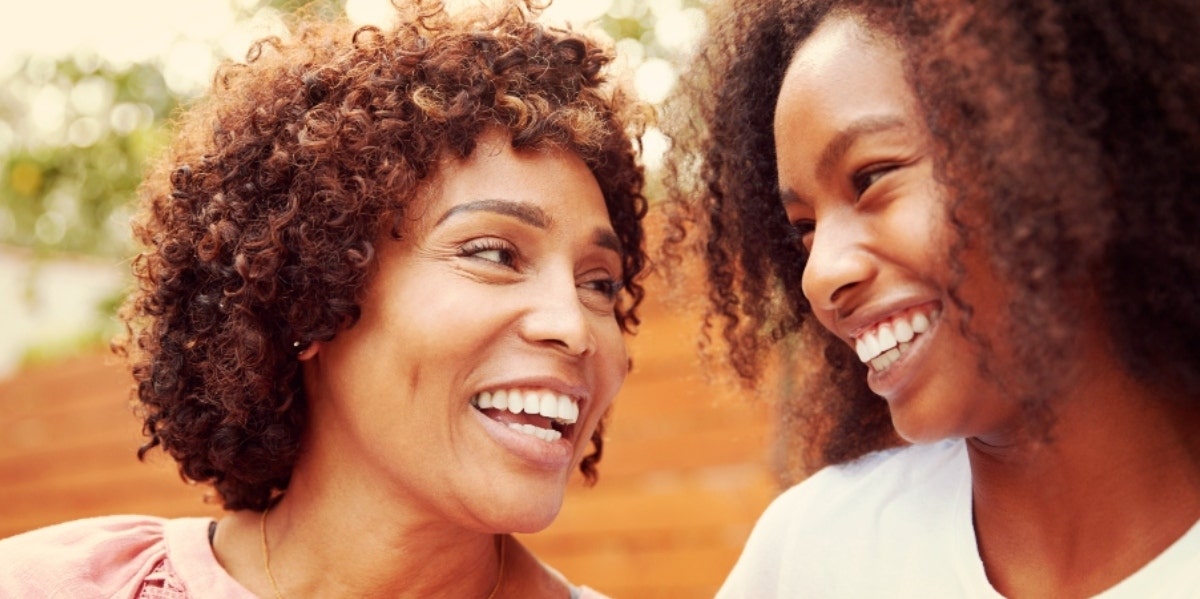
column 886, row 339
column 880, row 363
column 883, row 346
column 864, row 354
column 533, row 402
column 545, row 434
column 562, row 409
column 568, row 410
column 886, row 359
column 920, row 323
column 549, row 407
column 872, row 344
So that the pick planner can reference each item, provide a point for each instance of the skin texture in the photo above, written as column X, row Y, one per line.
column 470, row 298
column 856, row 180
column 471, row 301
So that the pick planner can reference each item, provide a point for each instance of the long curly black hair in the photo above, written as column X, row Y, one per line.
column 1073, row 125
column 259, row 221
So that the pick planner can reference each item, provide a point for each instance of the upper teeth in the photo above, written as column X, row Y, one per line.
column 562, row 409
column 883, row 345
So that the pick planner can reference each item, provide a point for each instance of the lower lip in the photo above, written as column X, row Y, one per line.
column 889, row 383
column 547, row 455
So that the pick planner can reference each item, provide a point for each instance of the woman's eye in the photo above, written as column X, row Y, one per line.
column 863, row 180
column 609, row 288
column 492, row 251
column 803, row 231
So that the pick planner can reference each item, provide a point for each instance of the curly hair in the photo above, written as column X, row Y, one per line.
column 1072, row 126
column 259, row 221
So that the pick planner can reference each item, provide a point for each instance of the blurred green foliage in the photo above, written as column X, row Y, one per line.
column 79, row 136
column 76, row 133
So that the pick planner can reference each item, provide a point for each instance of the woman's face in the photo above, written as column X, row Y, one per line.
column 487, row 351
column 856, row 180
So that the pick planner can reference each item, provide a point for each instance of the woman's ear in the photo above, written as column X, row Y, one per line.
column 309, row 351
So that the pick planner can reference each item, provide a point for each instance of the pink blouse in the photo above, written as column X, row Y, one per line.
column 128, row 557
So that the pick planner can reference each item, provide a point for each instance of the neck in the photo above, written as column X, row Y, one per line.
column 1077, row 514
column 363, row 552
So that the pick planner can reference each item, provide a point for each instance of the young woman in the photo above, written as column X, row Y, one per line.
column 983, row 218
column 381, row 311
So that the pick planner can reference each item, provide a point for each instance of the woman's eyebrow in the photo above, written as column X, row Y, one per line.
column 606, row 239
column 529, row 214
column 841, row 143
column 789, row 197
column 525, row 212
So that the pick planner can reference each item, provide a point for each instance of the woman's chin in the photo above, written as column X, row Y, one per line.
column 520, row 506
column 526, row 519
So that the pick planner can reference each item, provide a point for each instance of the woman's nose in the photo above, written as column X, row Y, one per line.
column 556, row 317
column 838, row 264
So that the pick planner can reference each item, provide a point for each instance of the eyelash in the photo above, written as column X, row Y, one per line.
column 473, row 249
column 609, row 288
column 864, row 179
column 799, row 229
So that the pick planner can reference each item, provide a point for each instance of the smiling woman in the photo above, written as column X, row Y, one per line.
column 978, row 221
column 380, row 310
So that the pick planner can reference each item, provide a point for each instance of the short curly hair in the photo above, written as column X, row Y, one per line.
column 1073, row 125
column 260, row 220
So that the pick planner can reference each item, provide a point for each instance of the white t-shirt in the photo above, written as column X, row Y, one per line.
column 898, row 524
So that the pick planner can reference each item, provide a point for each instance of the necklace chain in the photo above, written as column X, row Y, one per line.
column 262, row 528
column 266, row 553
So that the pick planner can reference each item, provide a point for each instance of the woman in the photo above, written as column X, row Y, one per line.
column 983, row 216
column 381, row 311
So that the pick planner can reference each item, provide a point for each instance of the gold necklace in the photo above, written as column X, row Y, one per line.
column 266, row 552
column 262, row 529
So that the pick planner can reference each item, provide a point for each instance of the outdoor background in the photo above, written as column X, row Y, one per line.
column 85, row 91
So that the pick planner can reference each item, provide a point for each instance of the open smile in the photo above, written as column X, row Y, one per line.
column 540, row 413
column 885, row 342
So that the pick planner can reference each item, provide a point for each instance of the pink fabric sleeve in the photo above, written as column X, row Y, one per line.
column 191, row 558
column 95, row 557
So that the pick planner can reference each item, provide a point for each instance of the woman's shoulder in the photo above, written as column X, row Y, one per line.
column 860, row 516
column 901, row 470
column 93, row 557
column 837, row 499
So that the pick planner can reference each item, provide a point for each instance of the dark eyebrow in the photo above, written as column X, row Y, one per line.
column 789, row 197
column 844, row 140
column 527, row 213
column 608, row 240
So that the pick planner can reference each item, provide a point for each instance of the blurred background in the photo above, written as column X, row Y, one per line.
column 86, row 90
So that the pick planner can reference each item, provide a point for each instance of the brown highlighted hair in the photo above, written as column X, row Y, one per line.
column 260, row 220
column 1073, row 127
